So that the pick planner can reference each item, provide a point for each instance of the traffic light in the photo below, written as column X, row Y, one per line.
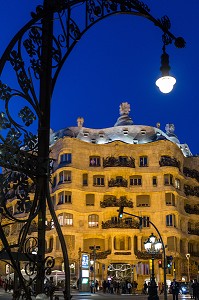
column 120, row 210
column 169, row 261
column 160, row 263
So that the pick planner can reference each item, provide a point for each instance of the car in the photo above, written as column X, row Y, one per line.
column 184, row 288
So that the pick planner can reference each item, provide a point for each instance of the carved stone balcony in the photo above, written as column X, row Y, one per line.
column 169, row 161
column 192, row 210
column 120, row 161
column 191, row 191
column 114, row 202
column 118, row 182
column 193, row 231
column 191, row 173
column 146, row 255
column 120, row 224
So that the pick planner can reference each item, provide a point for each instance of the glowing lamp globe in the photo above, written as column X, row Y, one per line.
column 166, row 84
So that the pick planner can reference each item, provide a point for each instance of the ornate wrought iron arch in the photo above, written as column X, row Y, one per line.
column 36, row 54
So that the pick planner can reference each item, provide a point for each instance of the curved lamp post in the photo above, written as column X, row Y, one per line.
column 153, row 246
column 141, row 219
column 35, row 56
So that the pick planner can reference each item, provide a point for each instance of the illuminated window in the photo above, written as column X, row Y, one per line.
column 93, row 220
column 65, row 219
column 94, row 161
column 177, row 183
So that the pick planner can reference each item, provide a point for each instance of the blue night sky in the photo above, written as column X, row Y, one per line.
column 118, row 60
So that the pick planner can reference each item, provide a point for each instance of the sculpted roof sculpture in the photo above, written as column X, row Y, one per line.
column 124, row 130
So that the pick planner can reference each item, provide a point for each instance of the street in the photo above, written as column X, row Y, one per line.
column 99, row 296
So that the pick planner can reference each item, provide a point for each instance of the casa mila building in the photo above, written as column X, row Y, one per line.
column 146, row 170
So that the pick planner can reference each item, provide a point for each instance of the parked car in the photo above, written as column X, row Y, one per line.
column 184, row 288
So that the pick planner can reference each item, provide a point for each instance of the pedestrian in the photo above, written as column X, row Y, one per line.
column 104, row 286
column 129, row 286
column 191, row 288
column 195, row 287
column 175, row 289
column 145, row 287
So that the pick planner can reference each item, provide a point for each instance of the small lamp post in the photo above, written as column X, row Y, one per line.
column 153, row 246
column 188, row 273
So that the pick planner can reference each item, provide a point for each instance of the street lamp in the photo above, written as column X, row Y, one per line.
column 166, row 82
column 188, row 271
column 153, row 246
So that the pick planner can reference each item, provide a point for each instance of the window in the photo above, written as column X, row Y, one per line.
column 168, row 179
column 145, row 222
column 172, row 243
column 90, row 199
column 85, row 179
column 65, row 176
column 64, row 197
column 136, row 180
column 98, row 180
column 65, row 219
column 170, row 220
column 94, row 161
column 143, row 161
column 154, row 181
column 93, row 220
column 170, row 199
column 142, row 200
column 66, row 158
column 177, row 183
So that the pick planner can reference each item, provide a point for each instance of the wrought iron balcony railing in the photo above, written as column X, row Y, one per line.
column 192, row 210
column 191, row 191
column 120, row 224
column 114, row 202
column 147, row 255
column 118, row 182
column 169, row 161
column 120, row 161
column 193, row 231
column 191, row 173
